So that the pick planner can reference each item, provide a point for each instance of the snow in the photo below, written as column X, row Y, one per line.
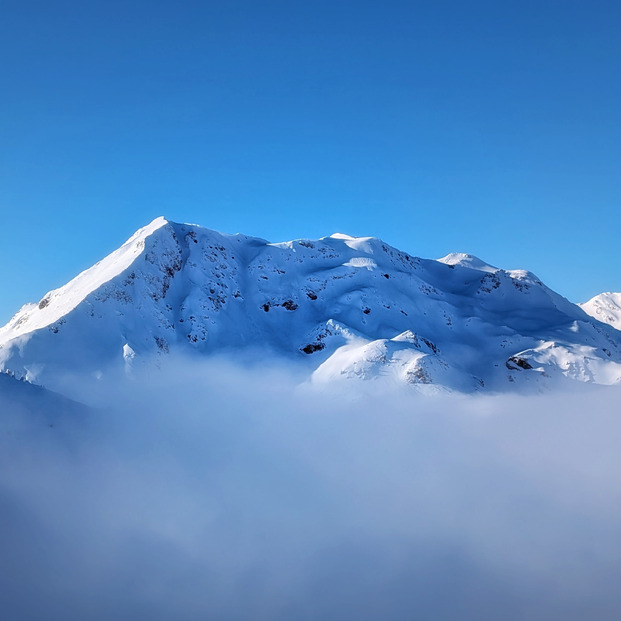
column 467, row 260
column 605, row 307
column 361, row 262
column 341, row 307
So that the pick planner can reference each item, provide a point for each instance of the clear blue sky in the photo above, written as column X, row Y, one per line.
column 485, row 127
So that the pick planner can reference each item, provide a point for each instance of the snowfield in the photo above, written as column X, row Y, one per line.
column 340, row 307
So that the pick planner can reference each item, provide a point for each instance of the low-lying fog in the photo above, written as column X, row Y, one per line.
column 214, row 492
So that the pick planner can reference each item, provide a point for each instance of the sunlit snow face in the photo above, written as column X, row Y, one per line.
column 208, row 491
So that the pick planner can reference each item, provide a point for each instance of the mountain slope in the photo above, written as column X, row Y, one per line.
column 343, row 306
column 22, row 399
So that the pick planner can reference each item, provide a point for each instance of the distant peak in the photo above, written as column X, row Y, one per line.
column 341, row 236
column 605, row 307
column 467, row 260
column 606, row 295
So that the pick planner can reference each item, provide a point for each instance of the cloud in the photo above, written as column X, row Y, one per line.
column 213, row 491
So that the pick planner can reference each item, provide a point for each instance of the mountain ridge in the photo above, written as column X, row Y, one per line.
column 347, row 307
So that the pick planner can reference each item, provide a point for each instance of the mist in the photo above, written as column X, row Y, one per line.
column 214, row 491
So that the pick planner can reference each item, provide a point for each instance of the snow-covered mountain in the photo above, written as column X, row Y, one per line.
column 343, row 306
column 605, row 307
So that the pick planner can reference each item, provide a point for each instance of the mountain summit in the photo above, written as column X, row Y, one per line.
column 605, row 307
column 343, row 306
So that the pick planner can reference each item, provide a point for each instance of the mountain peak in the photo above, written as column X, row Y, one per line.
column 341, row 236
column 57, row 303
column 149, row 229
column 468, row 260
column 605, row 307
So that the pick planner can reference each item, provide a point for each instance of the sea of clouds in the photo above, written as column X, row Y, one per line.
column 210, row 491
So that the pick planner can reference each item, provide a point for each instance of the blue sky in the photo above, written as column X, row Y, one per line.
column 484, row 127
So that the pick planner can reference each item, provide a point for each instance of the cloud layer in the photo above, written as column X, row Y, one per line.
column 217, row 492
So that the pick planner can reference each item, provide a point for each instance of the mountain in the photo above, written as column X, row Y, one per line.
column 340, row 306
column 605, row 307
